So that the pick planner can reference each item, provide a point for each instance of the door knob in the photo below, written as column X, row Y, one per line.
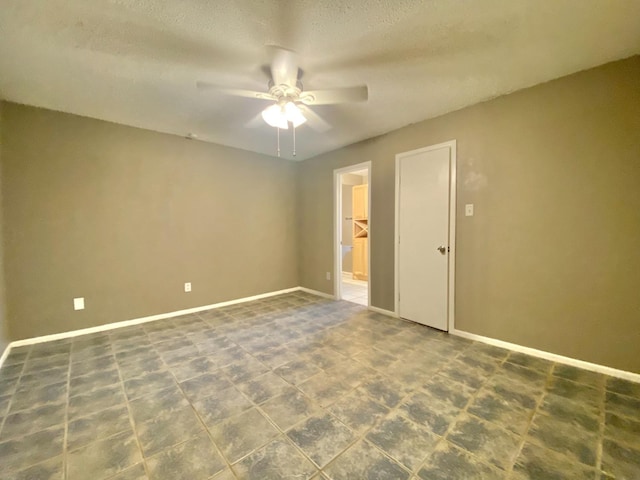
column 442, row 249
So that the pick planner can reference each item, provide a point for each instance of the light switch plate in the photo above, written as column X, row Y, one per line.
column 468, row 210
column 78, row 303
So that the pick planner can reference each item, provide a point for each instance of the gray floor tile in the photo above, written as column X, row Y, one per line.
column 277, row 460
column 244, row 370
column 449, row 462
column 615, row 403
column 44, row 377
column 324, row 389
column 579, row 375
column 622, row 429
column 445, row 390
column 148, row 383
column 35, row 419
column 522, row 374
column 263, row 387
column 99, row 425
column 52, row 469
column 150, row 406
column 93, row 381
column 297, row 371
column 240, row 435
column 193, row 368
column 205, row 385
column 577, row 392
column 358, row 411
column 132, row 473
column 103, row 458
column 93, row 365
column 168, row 428
column 95, row 401
column 321, row 437
column 569, row 439
column 28, row 397
column 365, row 462
column 352, row 372
column 583, row 415
column 620, row 461
column 195, row 459
column 529, row 361
column 535, row 463
column 289, row 408
column 403, row 440
column 46, row 362
column 355, row 363
column 496, row 409
column 42, row 445
column 15, row 357
column 623, row 387
column 485, row 440
column 224, row 404
column 225, row 474
column 429, row 412
column 515, row 391
column 385, row 391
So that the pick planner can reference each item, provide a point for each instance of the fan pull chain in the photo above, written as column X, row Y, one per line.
column 278, row 129
column 294, row 140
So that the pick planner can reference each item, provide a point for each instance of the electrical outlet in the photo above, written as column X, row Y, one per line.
column 187, row 287
column 78, row 303
column 328, row 275
column 468, row 210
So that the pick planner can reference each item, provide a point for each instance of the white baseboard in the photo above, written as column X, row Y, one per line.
column 317, row 292
column 594, row 367
column 634, row 377
column 388, row 313
column 151, row 318
column 5, row 354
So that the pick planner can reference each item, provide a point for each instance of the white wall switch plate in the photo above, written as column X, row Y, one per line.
column 187, row 287
column 78, row 303
column 328, row 276
column 468, row 210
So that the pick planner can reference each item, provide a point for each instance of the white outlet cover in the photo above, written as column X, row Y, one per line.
column 468, row 210
column 78, row 303
column 187, row 287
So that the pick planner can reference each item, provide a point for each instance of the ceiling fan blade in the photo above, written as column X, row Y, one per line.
column 284, row 66
column 256, row 122
column 335, row 95
column 314, row 120
column 234, row 91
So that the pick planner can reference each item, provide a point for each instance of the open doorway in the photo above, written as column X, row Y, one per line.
column 352, row 233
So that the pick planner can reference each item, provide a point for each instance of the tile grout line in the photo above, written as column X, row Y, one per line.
column 195, row 411
column 444, row 436
column 129, row 412
column 65, row 459
column 601, row 427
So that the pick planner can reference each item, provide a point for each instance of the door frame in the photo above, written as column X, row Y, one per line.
column 451, row 144
column 337, row 228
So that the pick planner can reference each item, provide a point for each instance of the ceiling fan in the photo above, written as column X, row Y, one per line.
column 290, row 102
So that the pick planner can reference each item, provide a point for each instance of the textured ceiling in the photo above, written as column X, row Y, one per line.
column 136, row 62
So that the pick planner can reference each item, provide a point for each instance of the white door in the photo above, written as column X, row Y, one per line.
column 423, row 228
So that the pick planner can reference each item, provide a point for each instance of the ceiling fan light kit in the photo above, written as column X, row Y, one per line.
column 286, row 91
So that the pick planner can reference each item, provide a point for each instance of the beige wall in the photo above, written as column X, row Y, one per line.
column 551, row 259
column 123, row 217
column 4, row 334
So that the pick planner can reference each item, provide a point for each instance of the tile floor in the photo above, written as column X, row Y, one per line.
column 296, row 386
column 355, row 291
